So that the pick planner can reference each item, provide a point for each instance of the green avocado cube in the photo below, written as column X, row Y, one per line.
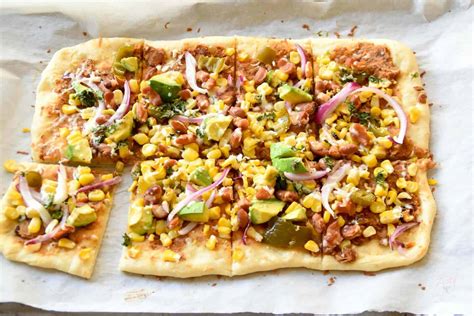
column 165, row 86
column 130, row 63
column 122, row 129
column 82, row 216
column 291, row 164
column 200, row 176
column 261, row 211
column 294, row 95
column 145, row 224
column 281, row 150
column 194, row 212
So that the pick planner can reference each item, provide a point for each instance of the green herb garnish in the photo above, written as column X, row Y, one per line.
column 167, row 110
column 126, row 240
column 69, row 152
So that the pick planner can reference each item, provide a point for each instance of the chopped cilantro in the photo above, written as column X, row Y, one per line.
column 266, row 116
column 136, row 171
column 414, row 75
column 56, row 214
column 380, row 178
column 329, row 162
column 364, row 117
column 280, row 183
column 69, row 152
column 374, row 79
column 126, row 240
column 167, row 110
column 301, row 189
column 169, row 171
column 322, row 33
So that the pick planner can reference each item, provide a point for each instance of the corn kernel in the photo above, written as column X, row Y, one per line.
column 85, row 253
column 136, row 237
column 160, row 227
column 369, row 231
column 412, row 169
column 11, row 165
column 214, row 154
column 34, row 226
column 224, row 232
column 404, row 196
column 391, row 197
column 82, row 197
column 390, row 229
column 151, row 237
column 134, row 88
column 385, row 142
column 356, row 158
column 11, row 213
column 341, row 221
column 190, row 154
column 326, row 216
column 370, row 160
column 380, row 190
column 66, row 243
column 119, row 166
column 375, row 111
column 149, row 150
column 118, row 96
column 133, row 252
column 380, row 170
column 353, row 177
column 387, row 166
column 414, row 114
column 377, row 207
column 96, row 195
column 401, row 183
column 64, row 132
column 141, row 138
column 242, row 57
column 281, row 75
column 432, row 181
column 237, row 255
column 224, row 222
column 68, row 109
column 412, row 186
column 205, row 229
column 229, row 51
column 211, row 242
column 171, row 256
column 325, row 73
column 388, row 217
column 165, row 240
column 214, row 212
column 107, row 176
column 85, row 179
column 310, row 245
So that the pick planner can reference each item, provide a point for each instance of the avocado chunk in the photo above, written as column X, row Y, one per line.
column 281, row 150
column 211, row 63
column 216, row 126
column 291, row 164
column 200, row 176
column 123, row 52
column 294, row 95
column 194, row 212
column 141, row 219
column 130, row 63
column 167, row 85
column 282, row 233
column 295, row 212
column 82, row 216
column 261, row 211
column 122, row 129
column 266, row 55
column 78, row 148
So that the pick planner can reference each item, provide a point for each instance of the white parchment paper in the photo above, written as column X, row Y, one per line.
column 439, row 31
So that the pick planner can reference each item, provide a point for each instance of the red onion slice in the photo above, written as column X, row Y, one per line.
column 211, row 199
column 186, row 229
column 239, row 82
column 191, row 73
column 311, row 175
column 197, row 194
column 124, row 106
column 98, row 185
column 331, row 183
column 61, row 190
column 244, row 235
column 192, row 120
column 302, row 57
column 397, row 107
column 398, row 231
column 327, row 108
column 31, row 202
column 230, row 80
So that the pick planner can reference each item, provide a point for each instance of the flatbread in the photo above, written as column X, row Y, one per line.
column 47, row 144
column 51, row 256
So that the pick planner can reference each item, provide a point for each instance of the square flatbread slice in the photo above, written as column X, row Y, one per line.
column 161, row 242
column 386, row 65
column 79, row 92
column 413, row 243
column 68, row 248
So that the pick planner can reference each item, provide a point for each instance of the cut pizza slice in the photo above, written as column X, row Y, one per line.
column 376, row 218
column 186, row 92
column 178, row 222
column 273, row 216
column 54, row 216
column 274, row 82
column 84, row 101
column 372, row 103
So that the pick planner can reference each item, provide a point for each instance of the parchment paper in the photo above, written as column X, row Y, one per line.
column 439, row 31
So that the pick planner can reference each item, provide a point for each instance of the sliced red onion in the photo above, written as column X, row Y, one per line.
column 197, row 194
column 51, row 234
column 192, row 120
column 398, row 231
column 239, row 82
column 311, row 175
column 61, row 190
column 300, row 83
column 191, row 73
column 31, row 202
column 211, row 199
column 124, row 106
column 186, row 229
column 288, row 107
column 190, row 188
column 230, row 80
column 98, row 185
column 327, row 108
column 244, row 235
column 302, row 57
column 331, row 183
column 397, row 107
column 36, row 195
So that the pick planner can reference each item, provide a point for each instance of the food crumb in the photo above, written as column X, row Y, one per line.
column 352, row 32
column 189, row 29
column 422, row 73
column 367, row 273
column 421, row 286
column 306, row 27
column 331, row 281
column 25, row 130
column 213, row 284
column 166, row 25
column 84, row 33
column 326, row 272
column 282, row 21
column 338, row 35
column 198, row 30
column 21, row 152
column 49, row 50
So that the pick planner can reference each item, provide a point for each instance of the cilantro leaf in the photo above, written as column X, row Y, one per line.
column 126, row 240
column 329, row 162
column 380, row 178
column 167, row 110
column 266, row 116
column 56, row 214
column 280, row 183
column 69, row 152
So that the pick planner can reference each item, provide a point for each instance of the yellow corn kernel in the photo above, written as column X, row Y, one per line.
column 14, row 195
column 412, row 169
column 160, row 227
column 96, row 195
column 133, row 252
column 390, row 229
column 213, row 75
column 25, row 130
column 149, row 150
column 85, row 179
column 369, row 231
column 136, row 237
column 124, row 152
column 190, row 154
column 380, row 190
column 331, row 119
column 377, row 207
column 414, row 114
column 11, row 213
column 211, row 242
column 380, row 170
column 308, row 201
column 325, row 73
column 388, row 217
column 119, row 166
column 281, row 75
column 64, row 132
column 34, row 226
column 378, row 151
column 404, row 195
column 81, row 197
column 353, row 177
column 412, row 186
column 214, row 154
column 68, row 109
column 83, row 170
column 227, row 182
column 165, row 240
column 151, row 237
column 375, row 111
column 237, row 255
column 214, row 212
column 356, row 158
column 224, row 232
column 242, row 57
column 118, row 96
column 432, row 181
column 385, row 142
column 224, row 222
column 295, row 58
column 401, row 183
column 66, row 243
column 134, row 88
column 370, row 160
column 310, row 245
column 141, row 138
column 221, row 82
column 229, row 51
column 391, row 197
column 326, row 216
column 85, row 253
column 387, row 166
column 205, row 229
column 107, row 176
column 341, row 221
column 11, row 165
